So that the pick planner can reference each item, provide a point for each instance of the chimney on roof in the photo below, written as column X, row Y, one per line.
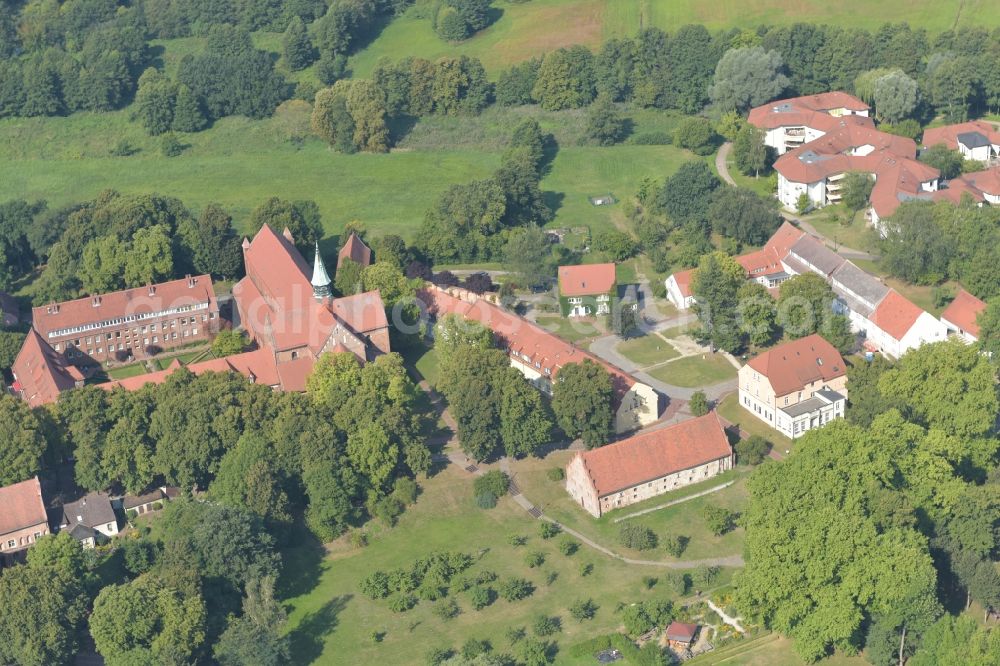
column 52, row 309
column 287, row 233
column 191, row 281
column 96, row 301
column 152, row 290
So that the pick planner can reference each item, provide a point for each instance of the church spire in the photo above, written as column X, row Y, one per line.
column 320, row 278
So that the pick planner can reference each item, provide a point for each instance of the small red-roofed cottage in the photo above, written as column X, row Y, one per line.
column 22, row 518
column 898, row 325
column 960, row 317
column 796, row 386
column 588, row 289
column 355, row 249
column 648, row 464
column 681, row 635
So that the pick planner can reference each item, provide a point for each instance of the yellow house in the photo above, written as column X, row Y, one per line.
column 795, row 387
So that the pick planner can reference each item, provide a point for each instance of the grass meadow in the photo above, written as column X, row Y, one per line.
column 529, row 29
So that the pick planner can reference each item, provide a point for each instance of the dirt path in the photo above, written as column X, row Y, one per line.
column 720, row 162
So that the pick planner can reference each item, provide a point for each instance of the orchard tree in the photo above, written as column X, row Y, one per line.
column 747, row 77
column 582, row 395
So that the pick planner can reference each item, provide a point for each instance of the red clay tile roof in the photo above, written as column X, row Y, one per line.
column 586, row 279
column 679, row 631
column 963, row 312
column 22, row 506
column 41, row 372
column 652, row 455
column 987, row 181
column 683, row 279
column 791, row 366
column 259, row 364
column 809, row 111
column 948, row 134
column 140, row 300
column 355, row 250
column 895, row 314
column 526, row 342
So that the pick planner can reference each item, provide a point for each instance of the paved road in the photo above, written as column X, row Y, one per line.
column 846, row 252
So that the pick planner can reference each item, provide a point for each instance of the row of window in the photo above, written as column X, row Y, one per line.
column 117, row 335
column 23, row 541
column 126, row 319
column 73, row 352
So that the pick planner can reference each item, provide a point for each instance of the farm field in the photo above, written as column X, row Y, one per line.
column 526, row 30
column 240, row 162
column 331, row 622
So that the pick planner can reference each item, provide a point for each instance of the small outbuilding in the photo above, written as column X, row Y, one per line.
column 681, row 635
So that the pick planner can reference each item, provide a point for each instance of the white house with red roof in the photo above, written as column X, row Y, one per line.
column 539, row 355
column 796, row 386
column 649, row 464
column 790, row 123
column 587, row 289
column 962, row 314
column 975, row 140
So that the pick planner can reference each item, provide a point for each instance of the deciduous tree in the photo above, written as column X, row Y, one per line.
column 581, row 399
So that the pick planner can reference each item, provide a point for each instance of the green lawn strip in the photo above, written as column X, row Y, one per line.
column 731, row 410
column 856, row 235
column 762, row 185
column 696, row 371
column 777, row 651
column 682, row 519
column 125, row 371
column 572, row 329
column 330, row 621
column 647, row 350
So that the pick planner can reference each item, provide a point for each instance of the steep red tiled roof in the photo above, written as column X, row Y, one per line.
column 948, row 134
column 683, row 279
column 987, row 181
column 362, row 312
column 41, row 372
column 259, row 364
column 679, row 631
column 528, row 343
column 22, row 506
column 895, row 314
column 963, row 312
column 656, row 454
column 355, row 250
column 791, row 366
column 586, row 279
column 141, row 300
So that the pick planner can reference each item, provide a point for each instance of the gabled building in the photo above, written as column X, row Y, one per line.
column 288, row 309
column 22, row 518
column 132, row 323
column 539, row 355
column 90, row 520
column 41, row 373
column 588, row 289
column 975, row 140
column 648, row 464
column 898, row 325
column 796, row 386
column 791, row 123
column 355, row 249
column 961, row 316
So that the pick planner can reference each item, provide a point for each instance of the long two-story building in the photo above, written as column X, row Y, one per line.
column 22, row 518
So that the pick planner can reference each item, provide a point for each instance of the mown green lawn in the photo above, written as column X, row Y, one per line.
column 696, row 371
column 125, row 371
column 331, row 622
column 647, row 350
column 731, row 410
column 571, row 329
column 856, row 235
column 679, row 520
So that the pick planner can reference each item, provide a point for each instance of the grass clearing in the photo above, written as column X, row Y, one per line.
column 856, row 235
column 696, row 371
column 647, row 350
column 768, row 650
column 731, row 410
column 682, row 519
column 330, row 621
column 571, row 329
column 126, row 371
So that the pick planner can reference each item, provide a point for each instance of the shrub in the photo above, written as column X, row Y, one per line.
column 650, row 582
column 474, row 647
column 639, row 618
column 517, row 540
column 718, row 520
column 675, row 545
column 514, row 634
column 438, row 656
column 695, row 134
column 405, row 490
column 677, row 582
column 400, row 602
column 376, row 585
column 551, row 577
column 123, row 148
column 131, row 514
column 388, row 509
column 156, row 506
column 171, row 146
column 486, row 500
column 545, row 625
column 704, row 576
column 548, row 530
column 657, row 138
column 568, row 547
column 534, row 559
column 586, row 568
column 495, row 483
column 480, row 596
column 752, row 450
column 359, row 538
column 803, row 204
column 584, row 609
column 637, row 537
column 447, row 609
column 515, row 589
column 698, row 404
column 556, row 474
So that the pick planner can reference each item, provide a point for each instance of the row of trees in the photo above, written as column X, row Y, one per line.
column 895, row 515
